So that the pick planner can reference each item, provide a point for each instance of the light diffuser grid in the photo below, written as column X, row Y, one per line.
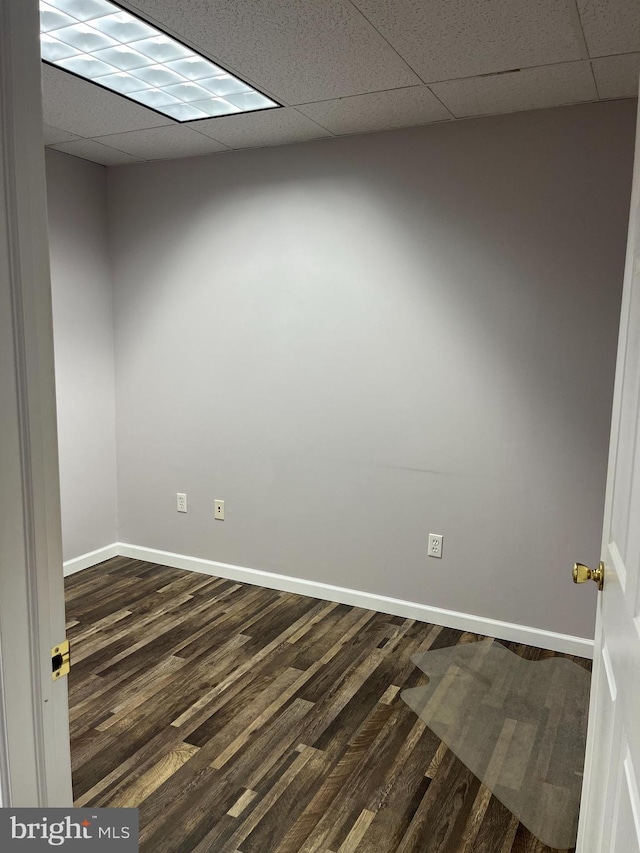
column 101, row 42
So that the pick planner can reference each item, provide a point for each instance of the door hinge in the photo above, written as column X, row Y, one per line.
column 60, row 660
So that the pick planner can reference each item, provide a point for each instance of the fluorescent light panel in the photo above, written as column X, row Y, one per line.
column 105, row 44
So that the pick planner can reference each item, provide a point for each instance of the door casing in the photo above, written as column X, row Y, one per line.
column 34, row 725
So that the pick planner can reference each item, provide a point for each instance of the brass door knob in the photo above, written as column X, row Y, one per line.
column 583, row 573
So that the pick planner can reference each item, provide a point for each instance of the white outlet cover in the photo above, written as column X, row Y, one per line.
column 435, row 545
column 181, row 502
column 219, row 510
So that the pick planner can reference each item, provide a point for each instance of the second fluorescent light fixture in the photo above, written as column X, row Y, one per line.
column 101, row 42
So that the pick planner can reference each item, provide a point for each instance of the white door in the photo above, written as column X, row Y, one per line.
column 35, row 768
column 610, row 810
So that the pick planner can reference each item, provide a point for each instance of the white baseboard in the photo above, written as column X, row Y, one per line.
column 509, row 631
column 92, row 558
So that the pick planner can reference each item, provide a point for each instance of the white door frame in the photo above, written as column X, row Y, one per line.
column 35, row 766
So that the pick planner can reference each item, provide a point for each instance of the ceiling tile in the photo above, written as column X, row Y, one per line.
column 268, row 127
column 85, row 109
column 461, row 38
column 163, row 143
column 378, row 111
column 610, row 26
column 298, row 52
column 529, row 89
column 89, row 149
column 617, row 76
column 52, row 135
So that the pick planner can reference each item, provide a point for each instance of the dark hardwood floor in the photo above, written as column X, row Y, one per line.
column 244, row 720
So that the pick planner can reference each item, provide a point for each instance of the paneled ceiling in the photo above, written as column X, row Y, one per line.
column 355, row 66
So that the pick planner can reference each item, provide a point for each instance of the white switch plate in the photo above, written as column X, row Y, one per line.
column 218, row 511
column 435, row 544
column 181, row 502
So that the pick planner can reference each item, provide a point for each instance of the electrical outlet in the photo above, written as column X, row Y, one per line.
column 218, row 511
column 435, row 544
column 182, row 502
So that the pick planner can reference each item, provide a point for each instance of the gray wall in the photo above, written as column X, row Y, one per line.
column 83, row 337
column 357, row 341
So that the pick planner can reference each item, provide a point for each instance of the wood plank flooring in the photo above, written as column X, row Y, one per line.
column 246, row 720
